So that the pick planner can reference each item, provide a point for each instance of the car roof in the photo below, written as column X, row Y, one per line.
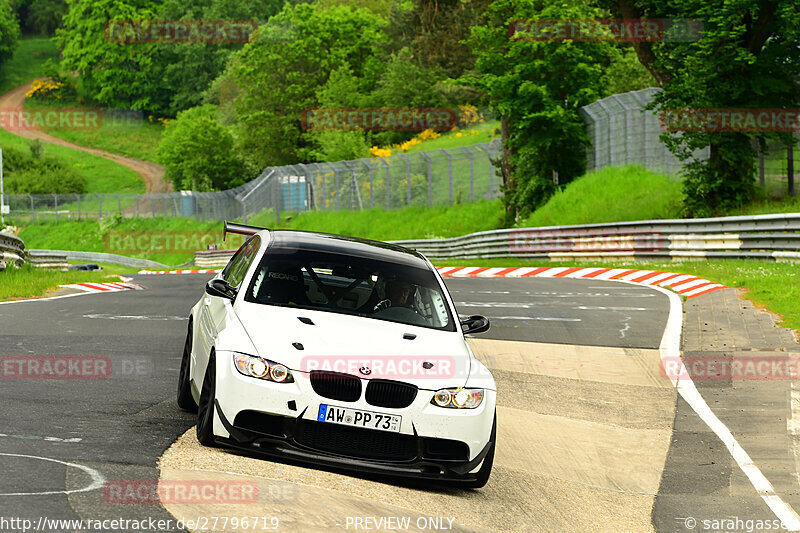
column 341, row 244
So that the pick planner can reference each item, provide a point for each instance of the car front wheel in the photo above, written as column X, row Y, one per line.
column 185, row 399
column 205, row 407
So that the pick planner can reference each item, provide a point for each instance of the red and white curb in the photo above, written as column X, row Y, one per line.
column 683, row 284
column 208, row 271
column 104, row 287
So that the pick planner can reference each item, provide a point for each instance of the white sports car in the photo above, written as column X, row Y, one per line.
column 341, row 352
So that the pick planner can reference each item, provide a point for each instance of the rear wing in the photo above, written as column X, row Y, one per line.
column 239, row 229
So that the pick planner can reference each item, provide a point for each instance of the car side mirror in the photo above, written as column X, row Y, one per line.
column 475, row 324
column 221, row 288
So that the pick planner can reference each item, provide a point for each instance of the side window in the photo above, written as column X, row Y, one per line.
column 237, row 267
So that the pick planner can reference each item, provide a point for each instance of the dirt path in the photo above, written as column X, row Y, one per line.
column 152, row 174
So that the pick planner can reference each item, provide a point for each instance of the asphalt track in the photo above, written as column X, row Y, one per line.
column 586, row 439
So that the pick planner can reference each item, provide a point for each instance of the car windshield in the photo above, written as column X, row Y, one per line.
column 350, row 285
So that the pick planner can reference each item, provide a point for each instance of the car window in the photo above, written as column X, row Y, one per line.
column 236, row 270
column 351, row 285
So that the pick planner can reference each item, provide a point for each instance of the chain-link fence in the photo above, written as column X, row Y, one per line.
column 426, row 178
column 622, row 132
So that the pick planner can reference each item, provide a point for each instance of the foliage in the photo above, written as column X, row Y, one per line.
column 278, row 74
column 41, row 17
column 536, row 88
column 115, row 74
column 35, row 173
column 625, row 73
column 747, row 58
column 9, row 31
column 197, row 152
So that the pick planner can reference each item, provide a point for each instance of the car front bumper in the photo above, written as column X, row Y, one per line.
column 280, row 420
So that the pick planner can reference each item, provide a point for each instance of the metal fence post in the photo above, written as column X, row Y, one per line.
column 371, row 176
column 485, row 147
column 388, row 183
column 408, row 178
column 137, row 206
column 430, row 177
column 119, row 204
column 55, row 197
column 100, row 206
column 471, row 174
column 33, row 209
column 449, row 172
column 78, row 197
column 790, row 165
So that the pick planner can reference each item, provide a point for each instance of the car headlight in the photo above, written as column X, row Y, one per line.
column 458, row 398
column 257, row 367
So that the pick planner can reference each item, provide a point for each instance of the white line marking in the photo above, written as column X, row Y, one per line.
column 544, row 318
column 97, row 478
column 670, row 349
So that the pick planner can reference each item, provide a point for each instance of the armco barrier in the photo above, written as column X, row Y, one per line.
column 12, row 250
column 99, row 257
column 774, row 237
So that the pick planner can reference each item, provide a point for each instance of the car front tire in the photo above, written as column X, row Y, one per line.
column 185, row 399
column 205, row 407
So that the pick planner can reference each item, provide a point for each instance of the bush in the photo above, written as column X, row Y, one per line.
column 197, row 152
column 34, row 173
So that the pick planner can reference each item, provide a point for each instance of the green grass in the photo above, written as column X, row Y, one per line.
column 30, row 282
column 770, row 285
column 102, row 175
column 479, row 133
column 613, row 194
column 136, row 138
column 27, row 62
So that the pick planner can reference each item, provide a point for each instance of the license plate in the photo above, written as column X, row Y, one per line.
column 358, row 418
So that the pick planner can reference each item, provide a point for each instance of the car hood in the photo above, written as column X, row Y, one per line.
column 368, row 348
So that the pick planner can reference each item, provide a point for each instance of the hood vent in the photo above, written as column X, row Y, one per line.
column 305, row 320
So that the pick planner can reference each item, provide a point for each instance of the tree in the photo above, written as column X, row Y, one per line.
column 115, row 74
column 277, row 75
column 747, row 58
column 9, row 31
column 197, row 152
column 536, row 89
column 41, row 17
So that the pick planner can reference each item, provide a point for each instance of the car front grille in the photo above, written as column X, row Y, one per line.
column 336, row 386
column 355, row 442
column 392, row 394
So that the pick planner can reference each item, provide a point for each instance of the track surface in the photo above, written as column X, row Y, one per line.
column 586, row 437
